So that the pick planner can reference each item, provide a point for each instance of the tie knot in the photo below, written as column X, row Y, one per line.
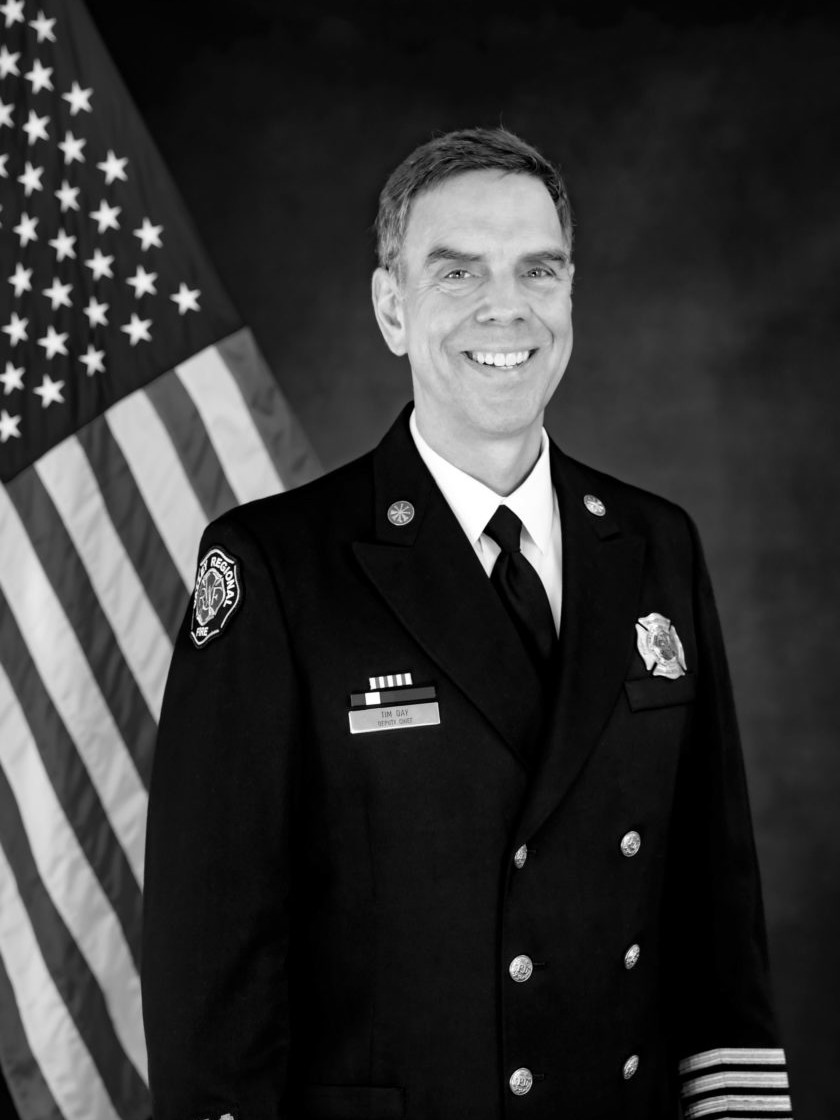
column 504, row 527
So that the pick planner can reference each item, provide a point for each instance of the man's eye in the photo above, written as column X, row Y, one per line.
column 457, row 274
column 539, row 271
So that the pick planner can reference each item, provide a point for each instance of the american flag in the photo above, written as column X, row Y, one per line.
column 134, row 406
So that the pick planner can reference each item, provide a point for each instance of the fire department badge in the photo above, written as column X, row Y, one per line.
column 660, row 646
column 218, row 592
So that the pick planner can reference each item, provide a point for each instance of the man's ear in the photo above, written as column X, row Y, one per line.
column 388, row 309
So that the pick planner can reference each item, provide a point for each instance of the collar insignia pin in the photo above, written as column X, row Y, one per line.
column 400, row 513
column 660, row 647
column 594, row 505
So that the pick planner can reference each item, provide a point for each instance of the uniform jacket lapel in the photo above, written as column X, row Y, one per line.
column 428, row 573
column 601, row 581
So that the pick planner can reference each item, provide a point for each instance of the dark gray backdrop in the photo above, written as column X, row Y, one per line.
column 703, row 159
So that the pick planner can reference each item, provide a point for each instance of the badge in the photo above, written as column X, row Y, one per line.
column 393, row 703
column 218, row 592
column 400, row 513
column 660, row 646
column 594, row 505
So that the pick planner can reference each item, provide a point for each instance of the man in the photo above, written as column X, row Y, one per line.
column 410, row 854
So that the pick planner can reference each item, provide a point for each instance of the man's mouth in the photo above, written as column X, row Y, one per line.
column 502, row 359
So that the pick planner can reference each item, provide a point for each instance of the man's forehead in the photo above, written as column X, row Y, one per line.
column 468, row 208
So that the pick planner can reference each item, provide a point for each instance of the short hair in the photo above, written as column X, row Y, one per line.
column 469, row 149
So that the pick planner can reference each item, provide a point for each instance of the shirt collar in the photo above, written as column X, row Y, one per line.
column 474, row 504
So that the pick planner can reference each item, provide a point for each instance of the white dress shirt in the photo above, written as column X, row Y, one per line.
column 533, row 501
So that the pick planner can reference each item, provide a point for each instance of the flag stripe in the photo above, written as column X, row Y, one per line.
column 67, row 876
column 186, row 429
column 160, row 478
column 28, row 1089
column 279, row 430
column 74, row 1043
column 72, row 784
column 69, row 481
column 134, row 524
column 230, row 426
column 71, row 685
column 80, row 607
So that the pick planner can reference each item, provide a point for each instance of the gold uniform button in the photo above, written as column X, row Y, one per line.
column 630, row 843
column 630, row 1066
column 521, row 1081
column 631, row 957
column 520, row 968
column 520, row 856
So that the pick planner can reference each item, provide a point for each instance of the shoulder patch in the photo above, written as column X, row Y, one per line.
column 218, row 592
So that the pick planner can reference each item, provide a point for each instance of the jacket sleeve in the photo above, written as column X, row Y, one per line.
column 216, row 923
column 730, row 1061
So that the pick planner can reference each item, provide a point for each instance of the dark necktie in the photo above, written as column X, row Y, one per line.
column 520, row 588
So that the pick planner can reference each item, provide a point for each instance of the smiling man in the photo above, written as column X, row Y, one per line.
column 448, row 817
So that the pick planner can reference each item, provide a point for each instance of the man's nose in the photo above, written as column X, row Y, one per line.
column 503, row 301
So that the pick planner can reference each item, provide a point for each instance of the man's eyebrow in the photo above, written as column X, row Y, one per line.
column 447, row 253
column 559, row 256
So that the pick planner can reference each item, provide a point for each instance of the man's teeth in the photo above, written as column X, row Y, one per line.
column 490, row 359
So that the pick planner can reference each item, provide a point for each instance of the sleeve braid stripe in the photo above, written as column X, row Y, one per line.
column 744, row 1056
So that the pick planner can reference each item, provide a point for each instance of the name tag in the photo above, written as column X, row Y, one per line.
column 393, row 718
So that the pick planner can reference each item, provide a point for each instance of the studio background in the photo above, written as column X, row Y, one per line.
column 703, row 161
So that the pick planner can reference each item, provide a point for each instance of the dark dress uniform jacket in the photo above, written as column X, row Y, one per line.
column 330, row 917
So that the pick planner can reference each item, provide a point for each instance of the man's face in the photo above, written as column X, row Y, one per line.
column 482, row 307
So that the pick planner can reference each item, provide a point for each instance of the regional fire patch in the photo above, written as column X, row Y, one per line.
column 218, row 592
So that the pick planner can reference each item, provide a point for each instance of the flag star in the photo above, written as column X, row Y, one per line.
column 113, row 167
column 68, row 196
column 186, row 298
column 63, row 244
column 78, row 99
column 6, row 113
column 8, row 62
column 8, row 424
column 13, row 11
column 143, row 282
column 72, row 148
column 43, row 27
column 16, row 329
column 40, row 76
column 59, row 295
column 54, row 343
column 36, row 127
column 106, row 216
column 12, row 378
column 95, row 312
column 92, row 360
column 31, row 179
column 137, row 329
column 21, row 279
column 4, row 159
column 25, row 229
column 100, row 265
column 49, row 391
column 149, row 235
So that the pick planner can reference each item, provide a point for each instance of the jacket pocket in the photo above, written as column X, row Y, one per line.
column 660, row 692
column 353, row 1102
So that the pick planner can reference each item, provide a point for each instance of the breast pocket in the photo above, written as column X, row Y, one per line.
column 660, row 692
